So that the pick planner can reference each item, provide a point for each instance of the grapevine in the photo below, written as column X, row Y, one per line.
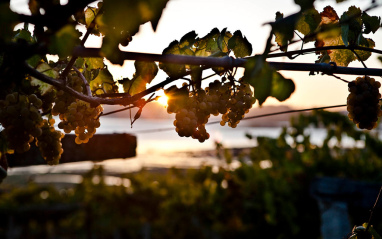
column 74, row 87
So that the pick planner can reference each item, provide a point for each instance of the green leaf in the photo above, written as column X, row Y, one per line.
column 351, row 25
column 308, row 22
column 365, row 42
column 173, row 70
column 259, row 74
column 94, row 63
column 283, row 29
column 121, row 20
column 64, row 41
column 103, row 83
column 146, row 70
column 207, row 45
column 380, row 58
column 24, row 35
column 134, row 86
column 46, row 70
column 345, row 33
column 240, row 45
column 305, row 4
column 267, row 81
column 371, row 23
column 223, row 39
column 187, row 41
column 282, row 88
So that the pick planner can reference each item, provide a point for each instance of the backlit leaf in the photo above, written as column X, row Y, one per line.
column 282, row 88
column 240, row 45
column 308, row 22
column 64, row 41
column 351, row 25
column 371, row 23
column 103, row 83
column 259, row 75
column 94, row 63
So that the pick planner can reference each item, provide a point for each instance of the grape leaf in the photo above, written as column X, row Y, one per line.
column 351, row 26
column 267, row 81
column 103, row 83
column 371, row 23
column 207, row 45
column 24, row 35
column 121, row 20
column 145, row 72
column 223, row 40
column 282, row 88
column 259, row 74
column 283, row 29
column 94, row 63
column 89, row 15
column 305, row 4
column 133, row 86
column 308, row 22
column 173, row 70
column 187, row 41
column 46, row 70
column 341, row 57
column 365, row 42
column 63, row 42
column 240, row 45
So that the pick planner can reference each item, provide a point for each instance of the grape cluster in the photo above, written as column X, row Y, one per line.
column 82, row 118
column 193, row 109
column 49, row 142
column 240, row 103
column 21, row 119
column 363, row 102
column 64, row 99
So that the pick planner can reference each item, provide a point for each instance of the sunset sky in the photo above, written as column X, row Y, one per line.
column 182, row 16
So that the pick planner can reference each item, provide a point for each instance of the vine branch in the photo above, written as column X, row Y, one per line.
column 230, row 62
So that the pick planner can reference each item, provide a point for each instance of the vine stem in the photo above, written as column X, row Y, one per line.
column 87, row 86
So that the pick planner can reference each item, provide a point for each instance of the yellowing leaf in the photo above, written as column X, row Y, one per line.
column 46, row 70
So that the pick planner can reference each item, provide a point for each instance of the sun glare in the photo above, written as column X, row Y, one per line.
column 163, row 100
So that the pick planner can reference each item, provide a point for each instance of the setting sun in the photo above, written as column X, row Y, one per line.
column 163, row 100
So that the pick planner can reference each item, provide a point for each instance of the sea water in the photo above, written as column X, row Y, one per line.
column 158, row 145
